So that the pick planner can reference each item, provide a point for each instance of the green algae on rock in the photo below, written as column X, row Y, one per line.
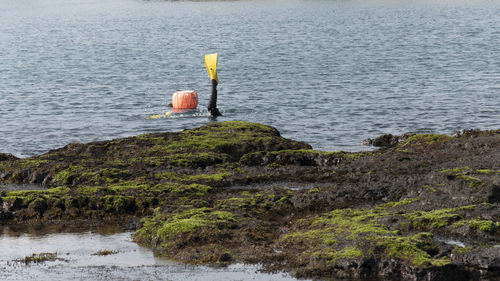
column 348, row 234
column 239, row 192
column 425, row 139
column 199, row 225
column 40, row 258
column 130, row 158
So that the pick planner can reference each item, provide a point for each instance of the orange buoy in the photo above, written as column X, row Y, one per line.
column 185, row 100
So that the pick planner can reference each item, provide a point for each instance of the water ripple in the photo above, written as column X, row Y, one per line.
column 326, row 72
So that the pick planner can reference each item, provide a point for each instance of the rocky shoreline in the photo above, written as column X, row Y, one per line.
column 424, row 207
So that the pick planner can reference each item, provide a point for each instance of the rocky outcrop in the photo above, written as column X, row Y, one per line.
column 425, row 207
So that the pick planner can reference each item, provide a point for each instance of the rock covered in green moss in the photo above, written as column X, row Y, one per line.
column 198, row 226
column 238, row 192
column 131, row 158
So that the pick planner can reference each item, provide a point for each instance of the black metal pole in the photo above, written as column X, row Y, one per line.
column 212, row 105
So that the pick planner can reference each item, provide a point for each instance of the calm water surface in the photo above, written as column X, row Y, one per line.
column 330, row 73
column 78, row 261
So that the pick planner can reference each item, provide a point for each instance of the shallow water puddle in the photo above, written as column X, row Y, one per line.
column 455, row 243
column 128, row 261
column 13, row 187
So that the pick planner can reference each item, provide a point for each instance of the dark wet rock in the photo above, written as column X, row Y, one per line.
column 385, row 141
column 5, row 176
column 494, row 194
column 239, row 192
column 298, row 157
column 396, row 271
column 37, row 177
column 484, row 259
column 7, row 157
column 467, row 133
column 5, row 215
column 12, row 204
column 37, row 207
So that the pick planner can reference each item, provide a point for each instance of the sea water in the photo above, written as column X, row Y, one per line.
column 330, row 73
column 78, row 258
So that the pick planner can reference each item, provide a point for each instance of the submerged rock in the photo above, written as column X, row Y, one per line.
column 239, row 192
